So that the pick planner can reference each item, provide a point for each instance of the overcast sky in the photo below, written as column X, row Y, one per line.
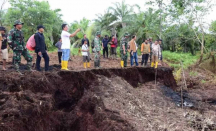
column 77, row 9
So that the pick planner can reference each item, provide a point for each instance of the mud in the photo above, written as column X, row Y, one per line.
column 67, row 100
column 107, row 99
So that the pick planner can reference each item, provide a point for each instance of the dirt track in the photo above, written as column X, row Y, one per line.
column 75, row 64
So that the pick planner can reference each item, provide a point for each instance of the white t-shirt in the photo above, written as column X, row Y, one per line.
column 65, row 36
column 84, row 47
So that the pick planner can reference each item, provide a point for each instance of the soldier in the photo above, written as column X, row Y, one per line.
column 97, row 48
column 17, row 44
column 124, row 50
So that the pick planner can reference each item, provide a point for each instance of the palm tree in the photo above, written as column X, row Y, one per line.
column 143, row 24
column 121, row 11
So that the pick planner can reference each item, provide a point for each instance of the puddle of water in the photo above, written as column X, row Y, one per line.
column 176, row 97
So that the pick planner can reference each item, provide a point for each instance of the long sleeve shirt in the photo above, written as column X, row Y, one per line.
column 156, row 50
column 58, row 45
column 133, row 46
column 40, row 43
column 145, row 48
column 16, row 39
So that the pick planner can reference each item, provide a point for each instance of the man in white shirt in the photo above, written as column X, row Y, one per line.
column 155, row 54
column 65, row 35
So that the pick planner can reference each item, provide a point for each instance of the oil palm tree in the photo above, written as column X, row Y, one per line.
column 122, row 11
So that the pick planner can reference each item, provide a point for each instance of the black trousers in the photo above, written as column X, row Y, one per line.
column 46, row 59
column 105, row 50
column 145, row 59
column 59, row 57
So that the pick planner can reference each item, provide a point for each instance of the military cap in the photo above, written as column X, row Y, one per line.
column 126, row 34
column 2, row 28
column 98, row 33
column 18, row 22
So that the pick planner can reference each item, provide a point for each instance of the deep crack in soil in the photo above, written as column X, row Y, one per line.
column 95, row 100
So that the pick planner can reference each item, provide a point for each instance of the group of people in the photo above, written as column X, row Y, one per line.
column 15, row 40
column 148, row 50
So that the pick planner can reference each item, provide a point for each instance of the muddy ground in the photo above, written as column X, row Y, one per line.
column 111, row 99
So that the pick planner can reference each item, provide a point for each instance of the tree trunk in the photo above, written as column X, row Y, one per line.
column 123, row 25
column 160, row 7
column 114, row 31
column 202, row 50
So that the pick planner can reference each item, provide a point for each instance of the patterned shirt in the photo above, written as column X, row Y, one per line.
column 16, row 39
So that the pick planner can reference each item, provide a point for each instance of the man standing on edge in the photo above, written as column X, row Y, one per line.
column 133, row 51
column 41, row 48
column 145, row 50
column 3, row 46
column 58, row 45
column 105, row 46
column 66, row 45
column 155, row 54
column 124, row 50
column 97, row 48
column 17, row 44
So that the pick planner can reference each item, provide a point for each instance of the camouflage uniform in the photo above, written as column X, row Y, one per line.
column 17, row 44
column 97, row 48
column 124, row 57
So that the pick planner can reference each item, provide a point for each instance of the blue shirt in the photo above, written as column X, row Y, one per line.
column 105, row 42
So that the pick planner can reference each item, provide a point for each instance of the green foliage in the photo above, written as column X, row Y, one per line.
column 203, row 81
column 193, row 73
column 34, row 13
column 174, row 58
column 75, row 51
column 180, row 31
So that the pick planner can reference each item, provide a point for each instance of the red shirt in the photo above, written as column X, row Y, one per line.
column 113, row 40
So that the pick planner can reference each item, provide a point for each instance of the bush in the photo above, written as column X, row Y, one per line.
column 174, row 59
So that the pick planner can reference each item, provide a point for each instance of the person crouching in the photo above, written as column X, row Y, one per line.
column 85, row 54
column 155, row 54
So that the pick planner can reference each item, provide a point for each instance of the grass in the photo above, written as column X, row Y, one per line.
column 193, row 73
column 203, row 81
column 174, row 59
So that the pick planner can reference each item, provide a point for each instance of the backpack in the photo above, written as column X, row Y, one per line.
column 30, row 45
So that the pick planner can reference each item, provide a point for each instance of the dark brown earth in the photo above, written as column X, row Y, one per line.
column 107, row 99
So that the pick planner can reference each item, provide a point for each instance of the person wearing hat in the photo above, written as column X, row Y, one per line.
column 65, row 35
column 40, row 48
column 97, row 48
column 3, row 46
column 123, row 50
column 17, row 44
